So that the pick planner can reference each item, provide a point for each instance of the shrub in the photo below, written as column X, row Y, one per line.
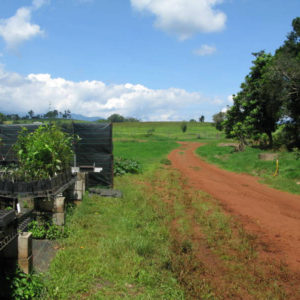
column 183, row 127
column 44, row 152
column 47, row 230
column 150, row 132
column 26, row 286
column 165, row 161
column 123, row 166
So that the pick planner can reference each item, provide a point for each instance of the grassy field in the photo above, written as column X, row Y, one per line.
column 163, row 240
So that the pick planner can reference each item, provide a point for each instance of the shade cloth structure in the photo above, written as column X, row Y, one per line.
column 94, row 147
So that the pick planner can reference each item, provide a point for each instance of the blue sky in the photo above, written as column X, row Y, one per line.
column 149, row 59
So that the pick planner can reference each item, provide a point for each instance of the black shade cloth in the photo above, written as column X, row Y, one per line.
column 94, row 147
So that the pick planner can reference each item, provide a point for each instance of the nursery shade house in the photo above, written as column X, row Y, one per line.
column 92, row 150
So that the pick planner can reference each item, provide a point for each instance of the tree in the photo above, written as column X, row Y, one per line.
column 67, row 114
column 201, row 119
column 218, row 119
column 2, row 118
column 116, row 118
column 183, row 127
column 52, row 114
column 31, row 114
column 256, row 109
column 286, row 72
column 131, row 119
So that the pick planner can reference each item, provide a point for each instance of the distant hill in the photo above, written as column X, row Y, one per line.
column 84, row 118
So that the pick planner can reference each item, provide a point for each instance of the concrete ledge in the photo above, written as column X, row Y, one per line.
column 58, row 219
column 25, row 244
column 25, row 264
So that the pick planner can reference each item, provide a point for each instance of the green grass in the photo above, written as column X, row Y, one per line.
column 164, row 130
column 117, row 250
column 129, row 249
column 249, row 162
column 131, row 140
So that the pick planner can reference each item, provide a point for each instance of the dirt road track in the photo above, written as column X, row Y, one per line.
column 272, row 215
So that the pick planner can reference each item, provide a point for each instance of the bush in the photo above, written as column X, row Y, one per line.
column 44, row 152
column 26, row 286
column 150, row 132
column 183, row 127
column 123, row 166
column 47, row 230
column 166, row 162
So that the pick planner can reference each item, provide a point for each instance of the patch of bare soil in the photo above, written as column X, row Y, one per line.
column 272, row 215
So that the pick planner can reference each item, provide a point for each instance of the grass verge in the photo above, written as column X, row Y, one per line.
column 248, row 161
column 117, row 249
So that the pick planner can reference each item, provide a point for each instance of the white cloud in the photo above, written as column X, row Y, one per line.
column 18, row 28
column 218, row 101
column 205, row 50
column 184, row 18
column 225, row 109
column 230, row 99
column 19, row 94
column 39, row 3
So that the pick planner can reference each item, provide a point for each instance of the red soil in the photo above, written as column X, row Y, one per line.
column 272, row 215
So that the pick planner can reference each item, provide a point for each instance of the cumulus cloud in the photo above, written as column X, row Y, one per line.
column 18, row 28
column 205, row 50
column 19, row 94
column 184, row 18
column 39, row 3
column 230, row 99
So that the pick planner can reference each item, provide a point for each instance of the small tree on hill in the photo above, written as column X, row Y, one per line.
column 183, row 127
column 218, row 119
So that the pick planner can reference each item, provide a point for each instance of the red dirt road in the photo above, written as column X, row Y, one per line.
column 272, row 215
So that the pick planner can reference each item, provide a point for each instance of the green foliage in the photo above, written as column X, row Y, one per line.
column 47, row 230
column 218, row 119
column 249, row 162
column 124, row 166
column 256, row 109
column 26, row 286
column 116, row 249
column 296, row 152
column 183, row 127
column 116, row 118
column 286, row 72
column 166, row 162
column 44, row 152
column 270, row 95
column 38, row 231
column 150, row 132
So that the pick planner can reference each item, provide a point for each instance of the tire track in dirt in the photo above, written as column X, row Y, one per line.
column 274, row 216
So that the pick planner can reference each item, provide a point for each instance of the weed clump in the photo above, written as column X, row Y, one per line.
column 26, row 286
column 46, row 231
column 124, row 166
column 166, row 162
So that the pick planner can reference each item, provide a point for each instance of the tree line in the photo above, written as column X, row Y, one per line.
column 51, row 114
column 55, row 114
column 269, row 99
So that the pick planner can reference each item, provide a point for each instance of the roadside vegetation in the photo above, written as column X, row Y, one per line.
column 165, row 240
column 269, row 98
column 162, row 240
column 287, row 177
